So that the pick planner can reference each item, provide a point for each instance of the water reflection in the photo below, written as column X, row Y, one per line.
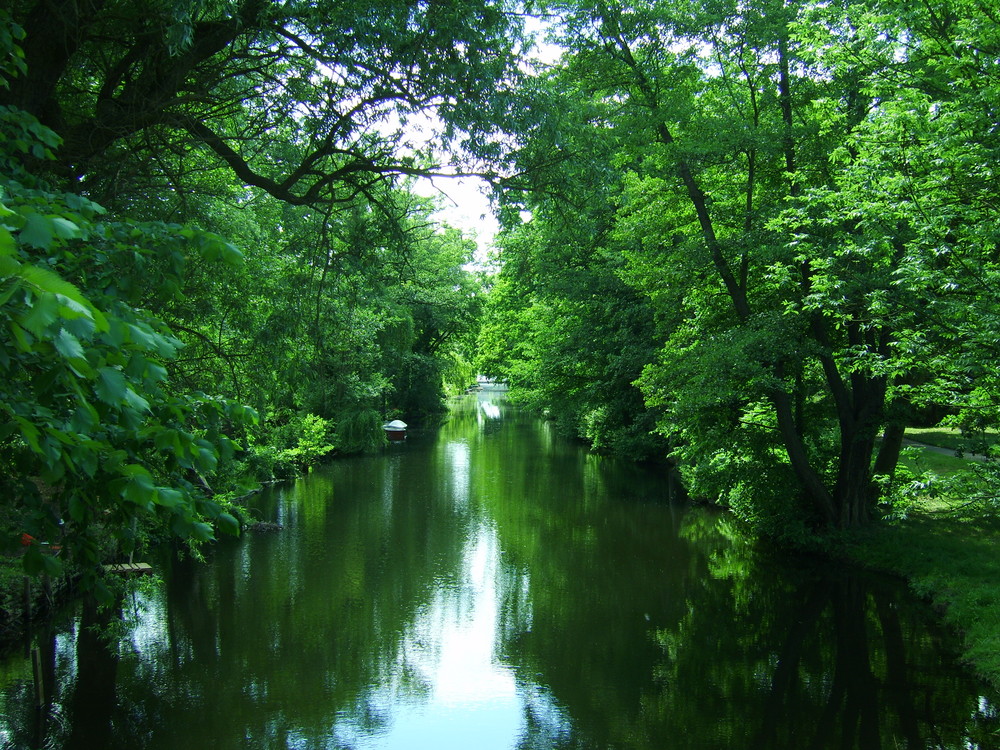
column 489, row 409
column 449, row 651
column 489, row 585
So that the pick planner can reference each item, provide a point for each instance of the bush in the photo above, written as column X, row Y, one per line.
column 312, row 441
column 360, row 431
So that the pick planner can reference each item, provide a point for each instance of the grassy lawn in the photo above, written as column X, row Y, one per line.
column 947, row 548
column 945, row 437
column 919, row 460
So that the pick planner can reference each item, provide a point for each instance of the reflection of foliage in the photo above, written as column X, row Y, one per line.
column 318, row 609
column 628, row 621
column 645, row 638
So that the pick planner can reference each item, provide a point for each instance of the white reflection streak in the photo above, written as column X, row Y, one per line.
column 458, row 458
column 466, row 671
column 448, row 689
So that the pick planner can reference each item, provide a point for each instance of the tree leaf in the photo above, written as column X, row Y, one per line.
column 44, row 310
column 202, row 532
column 51, row 566
column 169, row 497
column 48, row 281
column 64, row 228
column 68, row 345
column 110, row 387
column 37, row 232
column 141, row 491
column 7, row 245
column 228, row 524
column 136, row 401
column 30, row 433
column 9, row 287
column 77, row 508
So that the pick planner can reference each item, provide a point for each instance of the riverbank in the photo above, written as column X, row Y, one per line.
column 946, row 547
column 952, row 561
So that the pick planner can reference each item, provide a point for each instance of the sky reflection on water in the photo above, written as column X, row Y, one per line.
column 489, row 585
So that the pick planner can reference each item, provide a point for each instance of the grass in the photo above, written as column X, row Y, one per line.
column 955, row 439
column 946, row 548
column 919, row 460
column 950, row 558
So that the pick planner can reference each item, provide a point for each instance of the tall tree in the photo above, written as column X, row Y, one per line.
column 777, row 182
column 562, row 326
column 271, row 124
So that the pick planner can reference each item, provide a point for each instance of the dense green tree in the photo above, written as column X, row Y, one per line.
column 95, row 439
column 438, row 303
column 562, row 327
column 800, row 193
column 303, row 100
column 712, row 107
column 570, row 337
column 284, row 128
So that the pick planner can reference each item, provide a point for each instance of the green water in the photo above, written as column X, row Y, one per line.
column 487, row 585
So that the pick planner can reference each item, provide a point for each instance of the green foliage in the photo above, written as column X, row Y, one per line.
column 564, row 330
column 360, row 431
column 312, row 441
column 11, row 53
column 350, row 299
column 800, row 196
column 116, row 82
column 94, row 437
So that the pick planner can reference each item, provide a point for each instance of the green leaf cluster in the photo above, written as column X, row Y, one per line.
column 96, row 444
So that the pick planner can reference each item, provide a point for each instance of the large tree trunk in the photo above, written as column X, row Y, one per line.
column 861, row 416
column 853, row 492
column 812, row 483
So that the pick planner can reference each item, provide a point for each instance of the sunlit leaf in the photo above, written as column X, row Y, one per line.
column 136, row 401
column 7, row 245
column 42, row 313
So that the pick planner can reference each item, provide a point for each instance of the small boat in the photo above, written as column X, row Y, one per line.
column 395, row 430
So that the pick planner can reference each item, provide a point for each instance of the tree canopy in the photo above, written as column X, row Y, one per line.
column 306, row 101
column 214, row 268
column 798, row 193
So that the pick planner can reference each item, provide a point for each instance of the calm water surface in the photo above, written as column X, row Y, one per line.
column 488, row 585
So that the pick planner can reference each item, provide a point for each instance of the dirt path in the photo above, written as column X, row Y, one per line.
column 944, row 451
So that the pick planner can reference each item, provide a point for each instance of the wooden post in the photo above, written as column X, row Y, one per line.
column 36, row 668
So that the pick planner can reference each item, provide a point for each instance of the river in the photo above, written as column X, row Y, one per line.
column 487, row 585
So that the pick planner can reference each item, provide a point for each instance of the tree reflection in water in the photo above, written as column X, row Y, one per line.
column 488, row 584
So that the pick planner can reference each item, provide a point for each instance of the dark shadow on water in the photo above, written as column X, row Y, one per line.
column 488, row 584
